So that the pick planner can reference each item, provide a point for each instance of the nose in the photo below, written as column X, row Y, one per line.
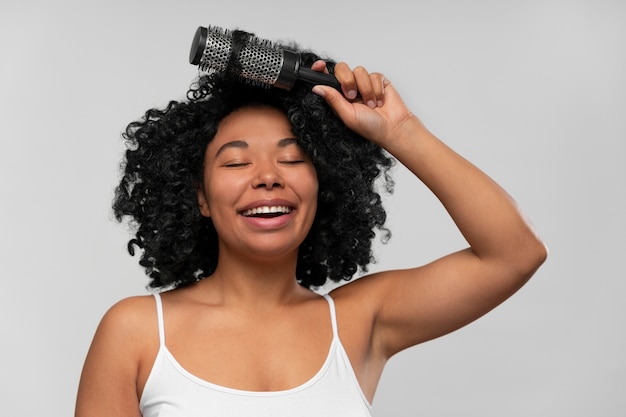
column 267, row 176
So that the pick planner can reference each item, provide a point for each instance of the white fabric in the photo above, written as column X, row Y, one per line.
column 171, row 391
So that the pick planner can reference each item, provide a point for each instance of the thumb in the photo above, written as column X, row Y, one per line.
column 335, row 100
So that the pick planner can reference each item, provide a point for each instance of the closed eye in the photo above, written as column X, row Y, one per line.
column 236, row 164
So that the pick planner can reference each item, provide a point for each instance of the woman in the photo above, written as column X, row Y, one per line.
column 243, row 199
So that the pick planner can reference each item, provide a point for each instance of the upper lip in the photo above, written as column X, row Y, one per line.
column 267, row 203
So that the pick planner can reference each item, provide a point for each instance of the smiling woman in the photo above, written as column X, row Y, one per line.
column 259, row 188
column 164, row 169
column 243, row 199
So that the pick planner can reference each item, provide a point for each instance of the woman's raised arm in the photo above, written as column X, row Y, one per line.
column 415, row 305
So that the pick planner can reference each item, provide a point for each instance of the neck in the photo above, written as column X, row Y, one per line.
column 255, row 282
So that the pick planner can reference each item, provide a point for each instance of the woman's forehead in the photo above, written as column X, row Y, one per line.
column 254, row 123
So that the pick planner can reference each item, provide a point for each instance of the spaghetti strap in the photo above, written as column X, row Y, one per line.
column 333, row 315
column 159, row 307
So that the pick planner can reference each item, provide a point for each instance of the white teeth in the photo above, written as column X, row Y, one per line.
column 267, row 210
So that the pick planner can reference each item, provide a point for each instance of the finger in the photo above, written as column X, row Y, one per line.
column 337, row 102
column 319, row 66
column 345, row 76
column 378, row 82
column 365, row 86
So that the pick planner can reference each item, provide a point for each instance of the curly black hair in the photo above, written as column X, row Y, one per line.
column 163, row 167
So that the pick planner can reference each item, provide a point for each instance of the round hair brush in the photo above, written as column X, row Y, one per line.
column 251, row 59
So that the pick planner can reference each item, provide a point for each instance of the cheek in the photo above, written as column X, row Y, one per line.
column 221, row 193
column 310, row 187
column 316, row 188
column 315, row 182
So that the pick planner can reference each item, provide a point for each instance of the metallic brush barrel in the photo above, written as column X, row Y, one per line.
column 260, row 62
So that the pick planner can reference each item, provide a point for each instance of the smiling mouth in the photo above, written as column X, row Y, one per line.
column 267, row 211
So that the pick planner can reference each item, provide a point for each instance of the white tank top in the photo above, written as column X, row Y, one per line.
column 172, row 391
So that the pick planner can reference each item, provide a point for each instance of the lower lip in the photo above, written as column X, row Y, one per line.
column 268, row 223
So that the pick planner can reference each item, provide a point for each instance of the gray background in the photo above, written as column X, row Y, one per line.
column 533, row 92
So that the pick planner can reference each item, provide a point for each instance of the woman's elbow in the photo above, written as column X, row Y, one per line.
column 533, row 255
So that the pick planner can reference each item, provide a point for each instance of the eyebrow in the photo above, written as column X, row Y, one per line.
column 242, row 144
column 233, row 144
column 286, row 142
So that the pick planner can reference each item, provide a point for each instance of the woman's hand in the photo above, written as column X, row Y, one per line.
column 369, row 105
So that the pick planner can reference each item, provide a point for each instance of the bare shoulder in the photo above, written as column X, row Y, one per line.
column 126, row 339
column 127, row 329
column 130, row 315
column 359, row 301
column 132, row 307
column 369, row 298
column 368, row 291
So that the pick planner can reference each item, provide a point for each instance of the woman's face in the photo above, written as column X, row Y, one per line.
column 259, row 188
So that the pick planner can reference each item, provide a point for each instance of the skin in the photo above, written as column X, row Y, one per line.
column 253, row 292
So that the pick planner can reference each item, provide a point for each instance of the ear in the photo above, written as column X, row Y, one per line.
column 202, row 202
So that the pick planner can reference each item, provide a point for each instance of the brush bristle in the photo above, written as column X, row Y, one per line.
column 258, row 61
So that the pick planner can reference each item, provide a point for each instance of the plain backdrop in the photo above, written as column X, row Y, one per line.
column 533, row 92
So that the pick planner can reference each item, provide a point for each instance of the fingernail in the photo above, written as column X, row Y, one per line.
column 371, row 104
column 380, row 103
column 319, row 91
column 351, row 94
